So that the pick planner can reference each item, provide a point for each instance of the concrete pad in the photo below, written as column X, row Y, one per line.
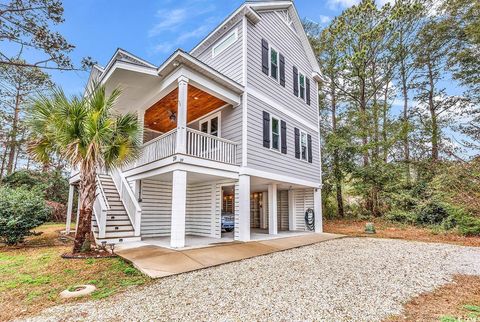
column 143, row 252
column 212, row 256
column 173, row 263
column 156, row 261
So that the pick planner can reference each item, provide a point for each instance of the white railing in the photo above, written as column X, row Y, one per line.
column 128, row 198
column 210, row 147
column 156, row 149
column 100, row 208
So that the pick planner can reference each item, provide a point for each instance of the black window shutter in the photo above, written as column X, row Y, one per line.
column 309, row 148
column 282, row 70
column 295, row 81
column 297, row 143
column 307, row 89
column 283, row 127
column 266, row 129
column 264, row 56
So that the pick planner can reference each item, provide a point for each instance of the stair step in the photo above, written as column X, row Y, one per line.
column 117, row 212
column 119, row 228
column 118, row 240
column 117, row 217
column 119, row 234
column 118, row 222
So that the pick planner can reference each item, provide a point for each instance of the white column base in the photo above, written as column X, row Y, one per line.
column 244, row 208
column 179, row 198
column 317, row 208
column 272, row 209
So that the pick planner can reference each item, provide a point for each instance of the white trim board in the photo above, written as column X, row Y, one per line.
column 278, row 177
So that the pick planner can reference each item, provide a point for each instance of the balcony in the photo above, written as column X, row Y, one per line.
column 199, row 144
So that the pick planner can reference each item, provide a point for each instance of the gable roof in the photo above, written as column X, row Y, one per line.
column 249, row 9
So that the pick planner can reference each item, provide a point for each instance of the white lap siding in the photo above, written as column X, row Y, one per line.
column 282, row 210
column 303, row 199
column 156, row 208
column 199, row 211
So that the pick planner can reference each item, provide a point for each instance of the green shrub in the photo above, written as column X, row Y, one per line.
column 20, row 211
column 468, row 225
column 401, row 216
column 431, row 213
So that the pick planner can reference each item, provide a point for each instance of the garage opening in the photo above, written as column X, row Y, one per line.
column 228, row 211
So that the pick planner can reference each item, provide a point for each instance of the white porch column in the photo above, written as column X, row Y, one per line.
column 71, row 191
column 141, row 123
column 317, row 208
column 263, row 215
column 179, row 198
column 244, row 207
column 181, row 146
column 272, row 209
column 291, row 210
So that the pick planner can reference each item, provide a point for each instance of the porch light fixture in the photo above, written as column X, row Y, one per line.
column 176, row 63
column 195, row 98
column 172, row 117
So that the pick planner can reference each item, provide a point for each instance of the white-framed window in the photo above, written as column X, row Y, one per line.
column 225, row 42
column 303, row 146
column 275, row 137
column 301, row 86
column 274, row 62
column 211, row 124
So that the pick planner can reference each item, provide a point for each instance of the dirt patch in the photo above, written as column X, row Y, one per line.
column 385, row 229
column 458, row 300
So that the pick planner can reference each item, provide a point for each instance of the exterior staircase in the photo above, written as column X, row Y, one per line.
column 119, row 228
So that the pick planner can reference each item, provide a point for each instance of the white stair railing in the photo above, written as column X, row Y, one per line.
column 100, row 208
column 128, row 199
column 210, row 147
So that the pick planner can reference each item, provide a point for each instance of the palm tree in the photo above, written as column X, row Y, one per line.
column 86, row 132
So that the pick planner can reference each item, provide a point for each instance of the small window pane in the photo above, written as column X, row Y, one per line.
column 225, row 43
column 214, row 126
column 274, row 125
column 204, row 127
column 275, row 141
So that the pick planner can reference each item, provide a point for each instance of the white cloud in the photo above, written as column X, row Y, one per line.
column 183, row 37
column 169, row 19
column 325, row 19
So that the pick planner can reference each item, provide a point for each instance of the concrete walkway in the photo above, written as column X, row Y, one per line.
column 156, row 261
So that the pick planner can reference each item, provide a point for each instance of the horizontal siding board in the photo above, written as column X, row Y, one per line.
column 272, row 28
column 262, row 158
column 230, row 61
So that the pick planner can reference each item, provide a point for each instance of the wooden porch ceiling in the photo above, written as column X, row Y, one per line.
column 199, row 103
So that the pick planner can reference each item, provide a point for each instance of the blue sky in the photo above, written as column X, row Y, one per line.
column 152, row 29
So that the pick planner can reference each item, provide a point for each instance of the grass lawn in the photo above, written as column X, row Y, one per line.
column 454, row 302
column 31, row 277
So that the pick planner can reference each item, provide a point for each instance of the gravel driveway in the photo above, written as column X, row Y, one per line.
column 345, row 279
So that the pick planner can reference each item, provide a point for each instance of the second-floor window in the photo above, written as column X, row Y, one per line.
column 273, row 63
column 275, row 133
column 303, row 146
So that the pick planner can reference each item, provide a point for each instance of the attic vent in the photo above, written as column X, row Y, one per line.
column 286, row 17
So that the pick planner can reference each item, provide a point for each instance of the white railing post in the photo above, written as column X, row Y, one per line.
column 181, row 146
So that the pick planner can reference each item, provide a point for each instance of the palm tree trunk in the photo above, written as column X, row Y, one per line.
column 88, row 186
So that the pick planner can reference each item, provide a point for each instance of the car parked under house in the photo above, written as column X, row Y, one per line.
column 230, row 127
